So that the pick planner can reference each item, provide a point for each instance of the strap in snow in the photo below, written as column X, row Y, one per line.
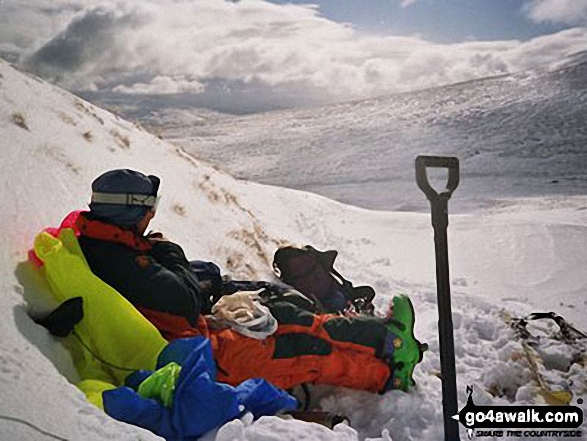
column 568, row 333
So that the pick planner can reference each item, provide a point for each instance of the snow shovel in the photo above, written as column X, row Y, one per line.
column 439, row 207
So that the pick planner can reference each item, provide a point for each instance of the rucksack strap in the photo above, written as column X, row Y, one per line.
column 346, row 285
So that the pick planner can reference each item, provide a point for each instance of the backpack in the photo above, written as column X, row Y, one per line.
column 312, row 273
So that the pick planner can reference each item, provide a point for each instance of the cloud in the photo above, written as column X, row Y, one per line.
column 285, row 54
column 94, row 36
column 557, row 11
column 407, row 3
column 163, row 86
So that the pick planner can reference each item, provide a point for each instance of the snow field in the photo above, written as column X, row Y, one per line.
column 524, row 255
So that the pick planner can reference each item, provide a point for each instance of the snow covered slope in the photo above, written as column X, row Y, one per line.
column 517, row 135
column 522, row 255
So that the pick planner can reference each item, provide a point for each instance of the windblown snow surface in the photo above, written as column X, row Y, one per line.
column 521, row 256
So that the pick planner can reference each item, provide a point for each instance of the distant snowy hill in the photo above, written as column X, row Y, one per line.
column 522, row 255
column 522, row 135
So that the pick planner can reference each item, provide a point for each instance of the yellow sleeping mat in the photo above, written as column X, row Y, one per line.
column 113, row 339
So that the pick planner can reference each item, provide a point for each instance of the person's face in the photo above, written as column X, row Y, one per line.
column 144, row 222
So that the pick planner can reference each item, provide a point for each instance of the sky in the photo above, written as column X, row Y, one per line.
column 448, row 21
column 282, row 54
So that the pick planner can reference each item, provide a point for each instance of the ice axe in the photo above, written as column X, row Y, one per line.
column 439, row 207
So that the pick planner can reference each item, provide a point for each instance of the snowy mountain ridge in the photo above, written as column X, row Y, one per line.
column 522, row 255
column 527, row 131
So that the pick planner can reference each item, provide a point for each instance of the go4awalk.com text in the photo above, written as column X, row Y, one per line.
column 520, row 421
column 529, row 433
column 535, row 416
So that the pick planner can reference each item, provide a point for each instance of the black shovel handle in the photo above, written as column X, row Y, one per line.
column 448, row 162
column 439, row 209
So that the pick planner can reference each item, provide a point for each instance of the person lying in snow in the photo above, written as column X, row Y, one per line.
column 154, row 274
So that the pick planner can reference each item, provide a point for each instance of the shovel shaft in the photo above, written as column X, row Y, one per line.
column 439, row 207
column 445, row 329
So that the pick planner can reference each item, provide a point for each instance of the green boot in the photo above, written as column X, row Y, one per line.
column 408, row 351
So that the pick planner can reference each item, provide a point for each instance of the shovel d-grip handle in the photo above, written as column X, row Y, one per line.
column 438, row 201
column 448, row 162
